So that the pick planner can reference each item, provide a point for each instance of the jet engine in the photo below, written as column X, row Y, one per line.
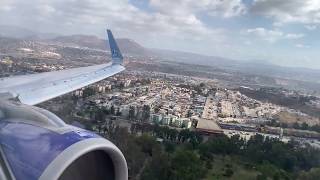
column 36, row 144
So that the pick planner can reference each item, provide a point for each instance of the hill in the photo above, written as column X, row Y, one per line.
column 23, row 33
column 75, row 47
column 128, row 46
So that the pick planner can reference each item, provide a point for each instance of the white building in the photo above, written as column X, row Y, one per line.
column 156, row 118
column 186, row 123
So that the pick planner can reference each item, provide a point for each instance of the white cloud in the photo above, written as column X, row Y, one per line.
column 176, row 19
column 268, row 35
column 301, row 46
column 229, row 8
column 170, row 24
column 273, row 35
column 289, row 11
column 154, row 28
column 311, row 27
column 294, row 36
column 83, row 14
column 6, row 6
column 247, row 42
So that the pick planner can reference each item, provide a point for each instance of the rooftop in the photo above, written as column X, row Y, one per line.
column 208, row 126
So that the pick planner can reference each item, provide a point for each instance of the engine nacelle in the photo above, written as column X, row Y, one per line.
column 36, row 144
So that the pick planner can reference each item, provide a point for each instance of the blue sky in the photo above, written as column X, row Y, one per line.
column 283, row 32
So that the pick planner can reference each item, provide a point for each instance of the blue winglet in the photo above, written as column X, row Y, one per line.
column 116, row 55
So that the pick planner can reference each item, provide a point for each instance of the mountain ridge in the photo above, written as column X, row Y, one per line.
column 130, row 47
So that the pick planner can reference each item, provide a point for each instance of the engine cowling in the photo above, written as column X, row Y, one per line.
column 41, row 146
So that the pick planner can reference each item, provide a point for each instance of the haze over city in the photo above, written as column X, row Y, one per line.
column 285, row 33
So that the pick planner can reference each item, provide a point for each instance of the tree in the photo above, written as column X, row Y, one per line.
column 130, row 148
column 189, row 114
column 131, row 113
column 145, row 113
column 158, row 168
column 172, row 134
column 99, row 128
column 313, row 174
column 121, row 85
column 99, row 115
column 106, row 111
column 228, row 172
column 169, row 146
column 118, row 113
column 304, row 126
column 156, row 109
column 109, row 129
column 112, row 110
column 296, row 125
column 268, row 170
column 315, row 128
column 147, row 143
column 186, row 165
column 88, row 92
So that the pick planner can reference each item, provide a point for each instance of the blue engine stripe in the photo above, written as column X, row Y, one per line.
column 30, row 149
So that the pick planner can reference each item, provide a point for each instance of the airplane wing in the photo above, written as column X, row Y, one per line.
column 36, row 88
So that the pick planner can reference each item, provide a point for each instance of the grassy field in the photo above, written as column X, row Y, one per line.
column 240, row 171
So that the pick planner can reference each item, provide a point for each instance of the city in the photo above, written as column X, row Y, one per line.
column 142, row 101
column 159, row 90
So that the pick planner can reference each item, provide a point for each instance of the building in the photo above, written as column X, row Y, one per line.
column 127, row 83
column 78, row 93
column 156, row 118
column 124, row 109
column 226, row 108
column 208, row 127
column 166, row 120
column 178, row 123
column 172, row 119
column 186, row 123
column 249, row 112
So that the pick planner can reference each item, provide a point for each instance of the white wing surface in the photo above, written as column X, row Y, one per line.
column 36, row 88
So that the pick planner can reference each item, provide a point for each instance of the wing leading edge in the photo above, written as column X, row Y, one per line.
column 36, row 88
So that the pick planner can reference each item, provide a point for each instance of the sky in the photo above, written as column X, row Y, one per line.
column 282, row 32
